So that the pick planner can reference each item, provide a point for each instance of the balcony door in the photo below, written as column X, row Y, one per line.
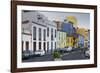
column 27, row 45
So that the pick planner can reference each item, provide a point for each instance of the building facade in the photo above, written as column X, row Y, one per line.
column 83, row 32
column 61, row 39
column 41, row 33
column 70, row 30
column 70, row 41
column 80, row 41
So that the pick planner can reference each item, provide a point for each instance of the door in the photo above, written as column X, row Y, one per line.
column 27, row 45
column 44, row 47
column 34, row 46
column 22, row 46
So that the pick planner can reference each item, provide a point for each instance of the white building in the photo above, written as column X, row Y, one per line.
column 51, row 36
column 38, row 33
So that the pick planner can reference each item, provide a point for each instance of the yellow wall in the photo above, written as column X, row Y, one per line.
column 61, row 39
column 70, row 41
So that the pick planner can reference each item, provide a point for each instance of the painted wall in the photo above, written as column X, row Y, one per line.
column 27, row 38
column 61, row 39
column 33, row 21
column 69, row 41
column 67, row 27
column 80, row 41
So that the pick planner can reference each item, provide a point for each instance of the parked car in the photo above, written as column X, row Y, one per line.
column 26, row 54
column 87, row 53
column 61, row 50
column 39, row 52
column 69, row 49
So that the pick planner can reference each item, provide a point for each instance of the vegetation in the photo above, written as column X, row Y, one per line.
column 56, row 54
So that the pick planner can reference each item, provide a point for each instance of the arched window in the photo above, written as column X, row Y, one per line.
column 48, row 31
column 34, row 33
column 44, row 34
column 39, row 33
column 51, row 34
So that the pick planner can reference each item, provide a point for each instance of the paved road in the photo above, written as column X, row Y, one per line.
column 76, row 55
column 47, row 57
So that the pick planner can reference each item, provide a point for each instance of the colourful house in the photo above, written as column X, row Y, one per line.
column 83, row 32
column 70, row 30
column 70, row 41
column 61, row 39
column 80, row 41
column 66, row 34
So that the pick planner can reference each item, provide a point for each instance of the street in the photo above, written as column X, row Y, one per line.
column 79, row 55
column 46, row 57
column 75, row 55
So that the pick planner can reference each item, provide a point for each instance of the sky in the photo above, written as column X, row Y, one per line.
column 83, row 19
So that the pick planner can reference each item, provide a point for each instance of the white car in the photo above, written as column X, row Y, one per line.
column 40, row 52
column 87, row 53
column 69, row 48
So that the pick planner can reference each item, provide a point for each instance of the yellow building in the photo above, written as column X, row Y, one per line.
column 61, row 39
column 70, row 41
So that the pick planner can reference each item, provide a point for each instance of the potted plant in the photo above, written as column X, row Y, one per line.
column 56, row 56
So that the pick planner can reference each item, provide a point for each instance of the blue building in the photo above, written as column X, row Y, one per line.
column 67, row 27
column 81, row 41
column 71, row 33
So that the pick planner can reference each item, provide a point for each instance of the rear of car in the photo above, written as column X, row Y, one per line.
column 26, row 54
column 39, row 52
column 87, row 53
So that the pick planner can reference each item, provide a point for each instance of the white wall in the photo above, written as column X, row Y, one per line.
column 5, row 37
column 27, row 38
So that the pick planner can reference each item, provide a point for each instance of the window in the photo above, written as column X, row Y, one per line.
column 34, row 33
column 48, row 32
column 44, row 34
column 51, row 34
column 51, row 46
column 22, row 45
column 59, row 36
column 55, row 33
column 55, row 45
column 42, row 20
column 34, row 46
column 68, row 40
column 48, row 46
column 39, row 33
column 71, row 40
column 40, row 45
column 39, row 17
column 44, row 45
column 27, row 45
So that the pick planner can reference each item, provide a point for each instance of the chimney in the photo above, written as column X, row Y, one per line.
column 58, row 23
